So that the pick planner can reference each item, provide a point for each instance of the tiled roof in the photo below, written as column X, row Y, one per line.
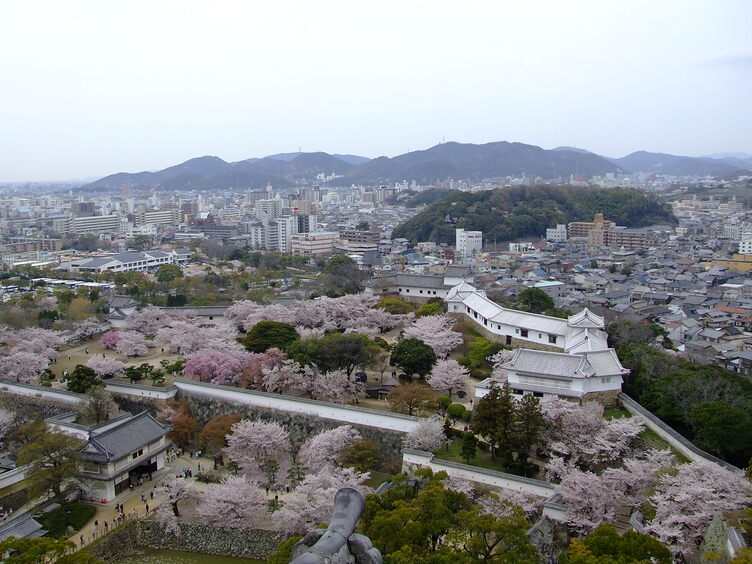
column 118, row 442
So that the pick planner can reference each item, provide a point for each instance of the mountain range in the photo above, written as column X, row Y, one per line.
column 447, row 160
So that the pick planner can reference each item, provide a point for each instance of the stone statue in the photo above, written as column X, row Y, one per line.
column 338, row 544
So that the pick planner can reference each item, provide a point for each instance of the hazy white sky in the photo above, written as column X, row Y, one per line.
column 91, row 88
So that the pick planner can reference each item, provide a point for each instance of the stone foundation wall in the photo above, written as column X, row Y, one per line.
column 300, row 426
column 31, row 408
column 125, row 540
column 603, row 398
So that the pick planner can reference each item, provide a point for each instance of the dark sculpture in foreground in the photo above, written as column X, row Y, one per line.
column 338, row 544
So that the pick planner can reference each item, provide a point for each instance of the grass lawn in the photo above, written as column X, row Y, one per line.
column 79, row 355
column 654, row 441
column 614, row 412
column 376, row 478
column 75, row 515
column 482, row 458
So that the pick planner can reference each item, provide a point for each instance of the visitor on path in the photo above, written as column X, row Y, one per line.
column 82, row 541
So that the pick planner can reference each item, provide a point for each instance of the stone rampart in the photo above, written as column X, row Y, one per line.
column 127, row 539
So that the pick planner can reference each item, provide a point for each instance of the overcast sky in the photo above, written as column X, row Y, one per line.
column 92, row 88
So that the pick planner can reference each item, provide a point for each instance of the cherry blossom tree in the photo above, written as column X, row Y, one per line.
column 325, row 448
column 312, row 501
column 148, row 320
column 592, row 499
column 686, row 502
column 448, row 375
column 110, row 339
column 435, row 331
column 212, row 366
column 352, row 311
column 252, row 443
column 498, row 360
column 427, row 436
column 285, row 376
column 131, row 343
column 24, row 367
column 335, row 386
column 582, row 435
column 497, row 503
column 37, row 341
column 252, row 374
column 106, row 367
column 308, row 333
column 234, row 503
column 86, row 329
column 178, row 490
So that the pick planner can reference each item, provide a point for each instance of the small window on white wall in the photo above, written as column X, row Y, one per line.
column 605, row 380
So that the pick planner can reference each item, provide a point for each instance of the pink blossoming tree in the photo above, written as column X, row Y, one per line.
column 110, row 339
column 686, row 502
column 131, row 343
column 106, row 367
column 325, row 448
column 435, row 331
column 212, row 366
column 251, row 444
column 581, row 434
column 23, row 367
column 312, row 501
column 335, row 386
column 428, row 436
column 234, row 503
column 448, row 375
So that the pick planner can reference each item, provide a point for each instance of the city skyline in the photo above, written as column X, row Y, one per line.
column 95, row 89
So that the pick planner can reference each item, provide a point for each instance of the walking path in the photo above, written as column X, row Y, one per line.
column 133, row 505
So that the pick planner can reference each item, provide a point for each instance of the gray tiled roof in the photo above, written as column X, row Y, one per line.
column 131, row 435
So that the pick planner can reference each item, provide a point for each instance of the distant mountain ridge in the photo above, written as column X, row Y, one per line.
column 447, row 160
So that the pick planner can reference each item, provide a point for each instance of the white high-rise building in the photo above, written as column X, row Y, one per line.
column 745, row 245
column 557, row 234
column 469, row 243
column 269, row 209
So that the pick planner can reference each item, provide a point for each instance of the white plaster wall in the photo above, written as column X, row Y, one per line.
column 488, row 477
column 337, row 412
column 42, row 392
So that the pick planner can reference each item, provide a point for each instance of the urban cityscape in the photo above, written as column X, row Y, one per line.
column 466, row 351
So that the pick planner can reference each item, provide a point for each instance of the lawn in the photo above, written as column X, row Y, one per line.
column 615, row 412
column 75, row 515
column 482, row 458
column 652, row 440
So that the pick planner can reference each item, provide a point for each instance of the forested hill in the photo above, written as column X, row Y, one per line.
column 506, row 214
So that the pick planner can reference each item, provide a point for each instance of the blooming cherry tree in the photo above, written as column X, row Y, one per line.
column 212, row 366
column 324, row 449
column 38, row 341
column 252, row 443
column 234, row 503
column 285, row 376
column 252, row 374
column 427, row 436
column 448, row 375
column 312, row 501
column 110, row 339
column 22, row 366
column 592, row 499
column 106, row 367
column 582, row 435
column 131, row 343
column 148, row 320
column 335, row 386
column 686, row 502
column 435, row 331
